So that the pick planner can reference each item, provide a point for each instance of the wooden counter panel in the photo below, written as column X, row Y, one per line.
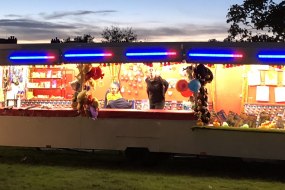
column 103, row 113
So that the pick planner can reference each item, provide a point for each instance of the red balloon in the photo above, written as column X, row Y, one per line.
column 186, row 93
column 181, row 85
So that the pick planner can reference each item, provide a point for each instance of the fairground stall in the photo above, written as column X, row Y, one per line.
column 224, row 99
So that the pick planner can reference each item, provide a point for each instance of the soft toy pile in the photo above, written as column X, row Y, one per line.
column 83, row 99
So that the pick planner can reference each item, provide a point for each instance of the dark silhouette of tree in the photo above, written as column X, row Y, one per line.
column 9, row 40
column 55, row 40
column 256, row 21
column 86, row 38
column 67, row 40
column 212, row 40
column 116, row 34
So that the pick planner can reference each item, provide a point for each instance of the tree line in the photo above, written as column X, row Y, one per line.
column 113, row 34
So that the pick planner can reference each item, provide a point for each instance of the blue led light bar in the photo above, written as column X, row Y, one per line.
column 262, row 56
column 220, row 55
column 275, row 56
column 223, row 55
column 150, row 54
column 33, row 57
column 86, row 55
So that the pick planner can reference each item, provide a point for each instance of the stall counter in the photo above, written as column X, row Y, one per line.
column 103, row 113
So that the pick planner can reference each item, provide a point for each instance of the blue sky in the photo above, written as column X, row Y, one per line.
column 33, row 21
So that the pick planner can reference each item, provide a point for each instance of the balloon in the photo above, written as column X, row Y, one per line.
column 181, row 85
column 187, row 93
column 194, row 85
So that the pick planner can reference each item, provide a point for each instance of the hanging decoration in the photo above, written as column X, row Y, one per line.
column 181, row 85
column 114, row 71
column 187, row 93
column 199, row 76
column 194, row 85
column 83, row 99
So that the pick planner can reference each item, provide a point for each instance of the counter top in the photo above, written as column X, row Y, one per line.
column 239, row 129
column 103, row 113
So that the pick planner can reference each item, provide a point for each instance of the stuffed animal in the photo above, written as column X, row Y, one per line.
column 75, row 85
column 92, row 72
column 85, row 103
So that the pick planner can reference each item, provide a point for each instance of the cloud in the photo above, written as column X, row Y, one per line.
column 28, row 29
column 32, row 30
column 62, row 14
column 32, row 24
column 12, row 15
column 184, row 31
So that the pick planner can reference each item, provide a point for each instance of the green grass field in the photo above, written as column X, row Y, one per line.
column 33, row 169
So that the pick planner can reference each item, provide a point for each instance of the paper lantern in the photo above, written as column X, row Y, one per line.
column 181, row 85
column 194, row 85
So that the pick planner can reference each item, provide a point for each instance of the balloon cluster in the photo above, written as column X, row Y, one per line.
column 182, row 87
column 199, row 76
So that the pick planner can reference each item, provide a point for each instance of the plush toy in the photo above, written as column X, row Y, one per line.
column 84, row 101
column 87, row 105
column 92, row 72
column 75, row 85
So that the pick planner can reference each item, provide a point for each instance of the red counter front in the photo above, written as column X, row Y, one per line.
column 103, row 113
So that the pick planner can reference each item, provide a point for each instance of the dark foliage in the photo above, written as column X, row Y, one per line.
column 257, row 21
column 116, row 34
column 10, row 40
column 86, row 38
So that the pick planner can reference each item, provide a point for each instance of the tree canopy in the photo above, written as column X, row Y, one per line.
column 116, row 34
column 10, row 40
column 86, row 38
column 256, row 21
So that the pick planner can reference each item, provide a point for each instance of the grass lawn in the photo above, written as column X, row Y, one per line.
column 27, row 168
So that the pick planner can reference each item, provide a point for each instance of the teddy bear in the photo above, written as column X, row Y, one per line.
column 87, row 105
column 76, row 87
column 83, row 100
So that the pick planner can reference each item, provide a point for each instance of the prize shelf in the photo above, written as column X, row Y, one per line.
column 47, row 81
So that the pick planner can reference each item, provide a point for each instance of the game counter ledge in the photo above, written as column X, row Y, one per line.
column 238, row 129
column 103, row 113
